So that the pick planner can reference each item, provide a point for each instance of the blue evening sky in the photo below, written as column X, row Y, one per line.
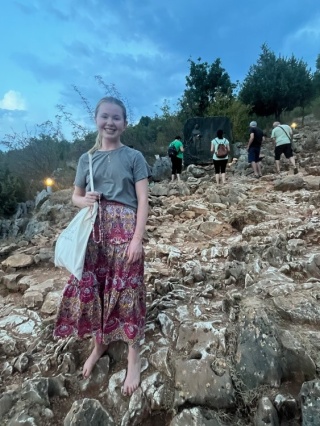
column 142, row 47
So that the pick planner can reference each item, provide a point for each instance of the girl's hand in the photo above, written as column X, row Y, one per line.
column 91, row 197
column 135, row 250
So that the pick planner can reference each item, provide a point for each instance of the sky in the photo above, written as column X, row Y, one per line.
column 139, row 47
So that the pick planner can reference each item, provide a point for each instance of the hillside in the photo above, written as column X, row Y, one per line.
column 233, row 279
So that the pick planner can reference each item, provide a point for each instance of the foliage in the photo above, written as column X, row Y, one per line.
column 11, row 191
column 80, row 131
column 315, row 107
column 79, row 146
column 316, row 78
column 235, row 110
column 202, row 84
column 153, row 135
column 39, row 158
column 276, row 84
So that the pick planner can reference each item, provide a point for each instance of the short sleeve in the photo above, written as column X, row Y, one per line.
column 82, row 171
column 141, row 169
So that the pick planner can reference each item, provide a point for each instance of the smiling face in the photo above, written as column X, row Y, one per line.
column 110, row 121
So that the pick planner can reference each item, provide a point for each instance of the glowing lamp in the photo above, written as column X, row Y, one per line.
column 294, row 125
column 49, row 182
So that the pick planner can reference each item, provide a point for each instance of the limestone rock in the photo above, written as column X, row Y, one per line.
column 18, row 261
column 160, row 361
column 287, row 407
column 194, row 417
column 266, row 414
column 258, row 341
column 310, row 403
column 196, row 383
column 201, row 339
column 51, row 302
column 298, row 309
column 211, row 229
column 87, row 412
column 138, row 409
column 289, row 183
column 98, row 376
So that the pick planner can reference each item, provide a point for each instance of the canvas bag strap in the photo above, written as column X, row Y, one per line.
column 285, row 133
column 91, row 172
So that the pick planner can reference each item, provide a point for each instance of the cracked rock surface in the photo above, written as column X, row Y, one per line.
column 233, row 307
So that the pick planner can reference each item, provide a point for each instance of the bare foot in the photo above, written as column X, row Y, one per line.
column 132, row 380
column 98, row 350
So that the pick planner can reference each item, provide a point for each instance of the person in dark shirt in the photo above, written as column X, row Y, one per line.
column 254, row 145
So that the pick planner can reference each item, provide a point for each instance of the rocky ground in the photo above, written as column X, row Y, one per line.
column 233, row 278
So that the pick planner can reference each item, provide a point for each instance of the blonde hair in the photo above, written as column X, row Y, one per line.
column 109, row 100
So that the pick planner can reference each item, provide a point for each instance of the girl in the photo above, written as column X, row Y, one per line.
column 220, row 164
column 108, row 302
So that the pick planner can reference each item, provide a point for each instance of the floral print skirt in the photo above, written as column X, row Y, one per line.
column 109, row 302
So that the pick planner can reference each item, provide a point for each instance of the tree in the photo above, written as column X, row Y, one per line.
column 316, row 78
column 11, row 190
column 235, row 110
column 202, row 83
column 36, row 160
column 276, row 84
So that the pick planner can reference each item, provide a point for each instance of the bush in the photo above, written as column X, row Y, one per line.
column 315, row 108
column 235, row 110
column 11, row 192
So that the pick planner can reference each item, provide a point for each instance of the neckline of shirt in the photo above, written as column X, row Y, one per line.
column 110, row 150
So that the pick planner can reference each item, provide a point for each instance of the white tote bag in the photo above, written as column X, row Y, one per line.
column 72, row 243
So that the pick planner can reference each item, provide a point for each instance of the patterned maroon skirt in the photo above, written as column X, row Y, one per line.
column 109, row 302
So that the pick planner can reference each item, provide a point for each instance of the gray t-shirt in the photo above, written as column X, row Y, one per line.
column 114, row 174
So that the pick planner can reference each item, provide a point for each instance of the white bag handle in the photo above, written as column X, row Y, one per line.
column 90, row 171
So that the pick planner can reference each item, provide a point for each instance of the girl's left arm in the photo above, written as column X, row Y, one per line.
column 135, row 249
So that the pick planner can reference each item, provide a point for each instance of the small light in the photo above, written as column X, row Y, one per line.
column 49, row 182
column 294, row 125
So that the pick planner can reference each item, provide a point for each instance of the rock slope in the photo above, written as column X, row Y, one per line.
column 232, row 336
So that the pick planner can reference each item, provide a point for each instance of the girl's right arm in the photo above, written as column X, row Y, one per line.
column 81, row 198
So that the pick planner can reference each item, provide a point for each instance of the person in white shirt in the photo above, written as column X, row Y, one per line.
column 281, row 135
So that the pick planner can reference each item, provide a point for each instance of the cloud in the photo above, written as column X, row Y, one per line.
column 13, row 100
column 78, row 49
column 311, row 30
column 28, row 8
column 47, row 69
column 11, row 116
column 305, row 41
column 11, row 122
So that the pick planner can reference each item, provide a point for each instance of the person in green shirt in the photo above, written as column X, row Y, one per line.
column 176, row 160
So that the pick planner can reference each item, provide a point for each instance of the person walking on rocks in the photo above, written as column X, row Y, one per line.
column 282, row 135
column 220, row 148
column 175, row 152
column 254, row 146
column 109, row 301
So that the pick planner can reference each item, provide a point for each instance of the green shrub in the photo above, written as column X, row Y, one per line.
column 11, row 192
column 315, row 108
